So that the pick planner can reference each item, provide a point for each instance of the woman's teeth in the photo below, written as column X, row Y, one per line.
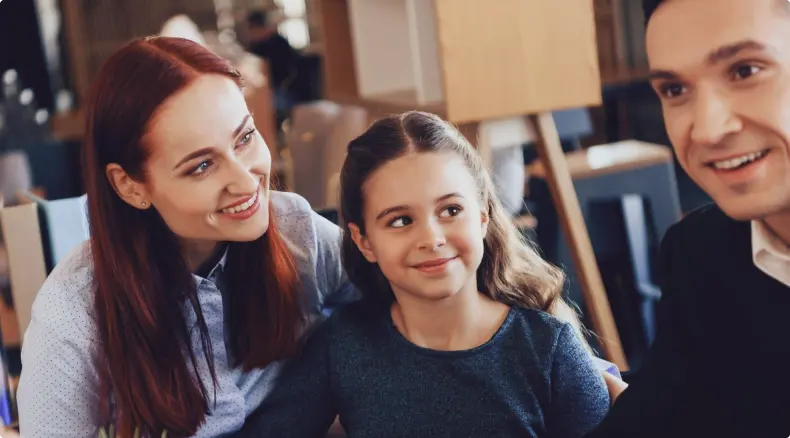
column 241, row 207
column 734, row 163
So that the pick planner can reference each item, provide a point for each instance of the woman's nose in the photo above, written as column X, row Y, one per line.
column 242, row 178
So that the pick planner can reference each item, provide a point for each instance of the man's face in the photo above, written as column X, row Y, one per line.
column 722, row 71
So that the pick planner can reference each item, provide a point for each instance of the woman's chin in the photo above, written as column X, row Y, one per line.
column 246, row 232
column 247, row 235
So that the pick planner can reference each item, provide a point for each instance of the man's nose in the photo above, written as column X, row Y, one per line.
column 713, row 118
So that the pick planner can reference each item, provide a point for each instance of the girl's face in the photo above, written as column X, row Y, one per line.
column 208, row 172
column 424, row 225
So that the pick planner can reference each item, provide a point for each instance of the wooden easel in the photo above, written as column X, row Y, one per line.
column 475, row 61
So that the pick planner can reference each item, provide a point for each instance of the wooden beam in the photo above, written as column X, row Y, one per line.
column 572, row 222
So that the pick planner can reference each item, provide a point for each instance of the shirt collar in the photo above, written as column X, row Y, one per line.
column 218, row 268
column 765, row 241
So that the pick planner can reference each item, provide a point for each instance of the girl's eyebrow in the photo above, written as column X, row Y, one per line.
column 397, row 208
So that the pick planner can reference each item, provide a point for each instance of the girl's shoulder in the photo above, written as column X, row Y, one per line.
column 538, row 319
column 541, row 330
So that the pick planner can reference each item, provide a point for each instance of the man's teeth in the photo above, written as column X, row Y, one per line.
column 738, row 162
column 241, row 207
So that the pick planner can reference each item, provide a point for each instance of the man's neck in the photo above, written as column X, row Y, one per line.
column 780, row 225
column 466, row 320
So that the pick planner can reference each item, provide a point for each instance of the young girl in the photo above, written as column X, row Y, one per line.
column 461, row 331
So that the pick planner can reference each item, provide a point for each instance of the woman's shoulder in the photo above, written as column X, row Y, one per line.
column 65, row 300
column 288, row 204
column 315, row 244
column 299, row 224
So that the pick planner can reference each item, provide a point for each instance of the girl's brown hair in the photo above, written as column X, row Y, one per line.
column 511, row 271
column 143, row 286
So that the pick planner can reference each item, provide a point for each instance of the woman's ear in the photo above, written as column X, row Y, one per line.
column 131, row 191
column 362, row 243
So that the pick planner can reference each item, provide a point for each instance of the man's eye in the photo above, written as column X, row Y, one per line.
column 745, row 71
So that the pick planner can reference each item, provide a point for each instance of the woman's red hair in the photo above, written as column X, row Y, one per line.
column 143, row 287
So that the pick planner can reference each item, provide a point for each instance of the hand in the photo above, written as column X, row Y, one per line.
column 615, row 386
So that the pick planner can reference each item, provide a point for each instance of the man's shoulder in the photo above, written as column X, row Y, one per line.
column 707, row 241
column 709, row 227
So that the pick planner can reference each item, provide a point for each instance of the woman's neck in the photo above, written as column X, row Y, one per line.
column 201, row 255
column 466, row 320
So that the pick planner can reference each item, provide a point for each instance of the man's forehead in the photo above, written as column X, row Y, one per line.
column 683, row 33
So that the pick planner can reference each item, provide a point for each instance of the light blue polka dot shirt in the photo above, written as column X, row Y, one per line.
column 58, row 391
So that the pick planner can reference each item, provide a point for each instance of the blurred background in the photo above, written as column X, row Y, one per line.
column 297, row 57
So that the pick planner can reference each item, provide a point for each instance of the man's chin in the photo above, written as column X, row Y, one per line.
column 750, row 209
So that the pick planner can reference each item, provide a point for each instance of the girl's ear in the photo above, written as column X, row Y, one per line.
column 362, row 243
column 484, row 220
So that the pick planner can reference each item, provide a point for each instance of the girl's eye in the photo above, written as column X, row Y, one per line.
column 671, row 90
column 400, row 222
column 451, row 211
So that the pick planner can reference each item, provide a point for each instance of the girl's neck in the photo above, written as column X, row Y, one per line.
column 466, row 320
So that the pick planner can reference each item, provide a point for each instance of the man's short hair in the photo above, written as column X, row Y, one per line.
column 649, row 6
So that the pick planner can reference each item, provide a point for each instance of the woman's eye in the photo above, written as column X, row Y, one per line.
column 201, row 168
column 247, row 137
column 400, row 222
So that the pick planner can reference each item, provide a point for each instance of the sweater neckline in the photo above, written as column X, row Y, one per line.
column 398, row 336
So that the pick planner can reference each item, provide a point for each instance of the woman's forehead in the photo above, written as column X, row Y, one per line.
column 204, row 114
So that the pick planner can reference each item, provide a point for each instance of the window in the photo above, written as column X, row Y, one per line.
column 294, row 26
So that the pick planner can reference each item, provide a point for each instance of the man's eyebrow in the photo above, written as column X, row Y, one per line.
column 716, row 56
column 728, row 51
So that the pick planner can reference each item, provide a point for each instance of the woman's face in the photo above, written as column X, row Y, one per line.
column 208, row 171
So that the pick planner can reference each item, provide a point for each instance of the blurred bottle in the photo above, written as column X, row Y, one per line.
column 24, row 123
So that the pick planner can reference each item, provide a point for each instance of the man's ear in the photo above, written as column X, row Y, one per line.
column 362, row 243
column 131, row 191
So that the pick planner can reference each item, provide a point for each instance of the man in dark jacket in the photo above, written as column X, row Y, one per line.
column 720, row 363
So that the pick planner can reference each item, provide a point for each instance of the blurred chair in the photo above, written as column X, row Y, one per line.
column 573, row 125
column 15, row 175
column 629, row 197
column 38, row 234
column 317, row 139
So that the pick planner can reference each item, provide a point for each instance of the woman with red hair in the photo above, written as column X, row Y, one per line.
column 198, row 280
